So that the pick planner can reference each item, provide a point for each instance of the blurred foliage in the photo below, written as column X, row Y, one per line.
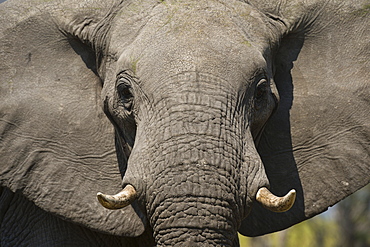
column 353, row 217
column 345, row 225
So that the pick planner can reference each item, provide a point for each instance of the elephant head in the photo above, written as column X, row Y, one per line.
column 206, row 112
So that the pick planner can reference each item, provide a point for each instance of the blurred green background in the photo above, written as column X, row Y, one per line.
column 347, row 224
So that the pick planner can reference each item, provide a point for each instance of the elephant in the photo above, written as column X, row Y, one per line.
column 178, row 123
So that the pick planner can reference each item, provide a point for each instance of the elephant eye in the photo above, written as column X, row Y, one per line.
column 125, row 94
column 124, row 90
column 261, row 89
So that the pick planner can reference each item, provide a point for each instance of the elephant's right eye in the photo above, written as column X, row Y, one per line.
column 261, row 89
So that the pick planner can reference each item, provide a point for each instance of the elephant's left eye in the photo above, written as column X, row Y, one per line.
column 124, row 90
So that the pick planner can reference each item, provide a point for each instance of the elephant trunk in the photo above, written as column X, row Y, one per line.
column 198, row 223
column 195, row 194
column 195, row 206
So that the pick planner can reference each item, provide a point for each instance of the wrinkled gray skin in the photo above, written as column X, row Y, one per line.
column 207, row 108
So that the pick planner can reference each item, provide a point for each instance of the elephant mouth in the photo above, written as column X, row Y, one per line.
column 264, row 197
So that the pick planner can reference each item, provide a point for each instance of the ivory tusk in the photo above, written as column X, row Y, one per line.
column 120, row 200
column 275, row 203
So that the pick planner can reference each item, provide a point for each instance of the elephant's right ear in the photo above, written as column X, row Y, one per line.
column 317, row 142
column 56, row 144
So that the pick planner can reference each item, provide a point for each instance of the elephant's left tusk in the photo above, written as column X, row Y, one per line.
column 275, row 203
column 120, row 200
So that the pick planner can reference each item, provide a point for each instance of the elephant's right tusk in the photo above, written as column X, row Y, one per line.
column 275, row 203
column 120, row 200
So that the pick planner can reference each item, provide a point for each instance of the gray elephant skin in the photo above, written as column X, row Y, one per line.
column 196, row 109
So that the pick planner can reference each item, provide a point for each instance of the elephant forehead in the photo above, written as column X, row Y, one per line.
column 194, row 36
column 195, row 18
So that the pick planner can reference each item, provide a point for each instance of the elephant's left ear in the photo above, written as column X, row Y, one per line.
column 317, row 142
column 56, row 144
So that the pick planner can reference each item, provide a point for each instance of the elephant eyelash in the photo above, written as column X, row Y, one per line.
column 124, row 76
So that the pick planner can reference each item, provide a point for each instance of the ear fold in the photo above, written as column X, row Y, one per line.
column 57, row 146
column 318, row 140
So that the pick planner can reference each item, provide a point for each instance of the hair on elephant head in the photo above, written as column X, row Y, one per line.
column 213, row 116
